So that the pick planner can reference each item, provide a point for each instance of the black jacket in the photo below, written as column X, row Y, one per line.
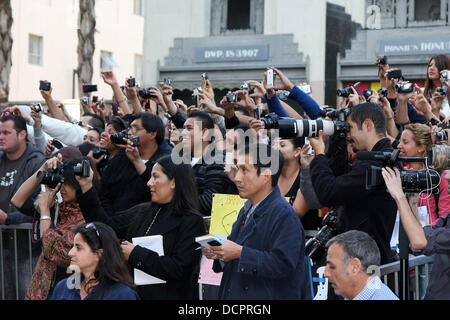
column 181, row 260
column 122, row 187
column 372, row 211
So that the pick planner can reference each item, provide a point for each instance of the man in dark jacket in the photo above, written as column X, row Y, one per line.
column 124, row 180
column 207, row 164
column 18, row 161
column 372, row 211
column 263, row 258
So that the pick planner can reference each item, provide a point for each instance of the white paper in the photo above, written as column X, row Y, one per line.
column 154, row 243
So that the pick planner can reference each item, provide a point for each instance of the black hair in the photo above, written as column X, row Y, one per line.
column 258, row 150
column 243, row 110
column 370, row 111
column 69, row 176
column 112, row 266
column 98, row 130
column 152, row 123
column 118, row 124
column 205, row 118
column 19, row 122
column 96, row 121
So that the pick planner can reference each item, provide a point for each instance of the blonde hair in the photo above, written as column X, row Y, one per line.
column 421, row 135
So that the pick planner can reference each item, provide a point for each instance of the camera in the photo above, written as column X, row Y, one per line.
column 57, row 144
column 37, row 107
column 334, row 114
column 83, row 171
column 168, row 81
column 404, row 87
column 445, row 75
column 368, row 93
column 99, row 152
column 443, row 91
column 45, row 86
column 145, row 93
column 118, row 138
column 291, row 128
column 51, row 178
column 245, row 87
column 284, row 95
column 136, row 141
column 131, row 82
column 441, row 136
column 383, row 93
column 344, row 93
column 395, row 74
column 84, row 101
column 315, row 248
column 413, row 181
column 232, row 97
column 382, row 60
column 88, row 88
column 205, row 76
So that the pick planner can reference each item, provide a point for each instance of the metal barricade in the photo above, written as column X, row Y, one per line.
column 414, row 264
column 13, row 231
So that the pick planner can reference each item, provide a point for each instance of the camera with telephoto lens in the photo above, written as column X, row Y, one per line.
column 84, row 170
column 51, row 178
column 290, row 128
column 404, row 87
column 441, row 136
column 145, row 93
column 345, row 93
column 413, row 181
column 383, row 93
column 232, row 97
column 38, row 107
column 118, row 138
column 382, row 60
column 315, row 248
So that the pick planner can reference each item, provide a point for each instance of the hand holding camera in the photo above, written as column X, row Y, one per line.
column 393, row 182
column 259, row 90
column 46, row 89
column 132, row 150
column 207, row 88
column 84, row 175
column 353, row 98
column 318, row 144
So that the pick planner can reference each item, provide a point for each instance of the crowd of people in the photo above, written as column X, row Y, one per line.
column 149, row 164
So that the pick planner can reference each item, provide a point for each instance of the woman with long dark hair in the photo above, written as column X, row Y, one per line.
column 439, row 103
column 98, row 261
column 173, row 213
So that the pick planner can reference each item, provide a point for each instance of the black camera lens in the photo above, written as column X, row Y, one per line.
column 99, row 152
column 84, row 170
column 51, row 178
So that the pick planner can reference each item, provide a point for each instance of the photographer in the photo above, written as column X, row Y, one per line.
column 428, row 240
column 369, row 211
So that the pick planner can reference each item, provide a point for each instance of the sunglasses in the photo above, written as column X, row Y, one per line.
column 92, row 226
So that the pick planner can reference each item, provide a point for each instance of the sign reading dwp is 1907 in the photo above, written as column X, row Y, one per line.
column 241, row 53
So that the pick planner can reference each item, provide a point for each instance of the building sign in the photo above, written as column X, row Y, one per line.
column 233, row 53
column 415, row 46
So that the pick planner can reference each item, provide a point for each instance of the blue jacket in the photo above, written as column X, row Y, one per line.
column 272, row 261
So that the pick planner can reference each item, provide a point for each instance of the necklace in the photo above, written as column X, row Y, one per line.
column 151, row 225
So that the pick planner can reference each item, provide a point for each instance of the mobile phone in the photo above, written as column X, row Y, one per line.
column 88, row 88
column 57, row 144
column 115, row 109
column 270, row 78
column 215, row 243
column 311, row 150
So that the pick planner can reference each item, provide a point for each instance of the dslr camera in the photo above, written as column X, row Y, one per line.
column 83, row 171
column 291, row 128
column 99, row 152
column 118, row 138
column 51, row 178
column 344, row 93
column 145, row 93
column 383, row 93
column 413, row 181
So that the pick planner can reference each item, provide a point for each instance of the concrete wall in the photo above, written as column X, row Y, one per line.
column 119, row 31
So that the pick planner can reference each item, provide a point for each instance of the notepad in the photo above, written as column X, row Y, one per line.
column 154, row 243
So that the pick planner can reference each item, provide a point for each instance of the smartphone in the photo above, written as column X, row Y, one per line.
column 57, row 144
column 115, row 109
column 270, row 78
column 88, row 88
column 215, row 243
column 311, row 150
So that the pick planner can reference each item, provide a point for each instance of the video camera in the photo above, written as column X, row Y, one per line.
column 413, row 181
column 291, row 128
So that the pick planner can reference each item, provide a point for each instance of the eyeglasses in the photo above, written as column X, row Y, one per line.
column 92, row 226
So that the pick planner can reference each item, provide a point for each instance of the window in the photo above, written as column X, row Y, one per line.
column 138, row 72
column 427, row 10
column 106, row 61
column 138, row 7
column 238, row 15
column 35, row 50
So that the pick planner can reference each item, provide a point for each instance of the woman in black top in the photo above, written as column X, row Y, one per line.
column 173, row 213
